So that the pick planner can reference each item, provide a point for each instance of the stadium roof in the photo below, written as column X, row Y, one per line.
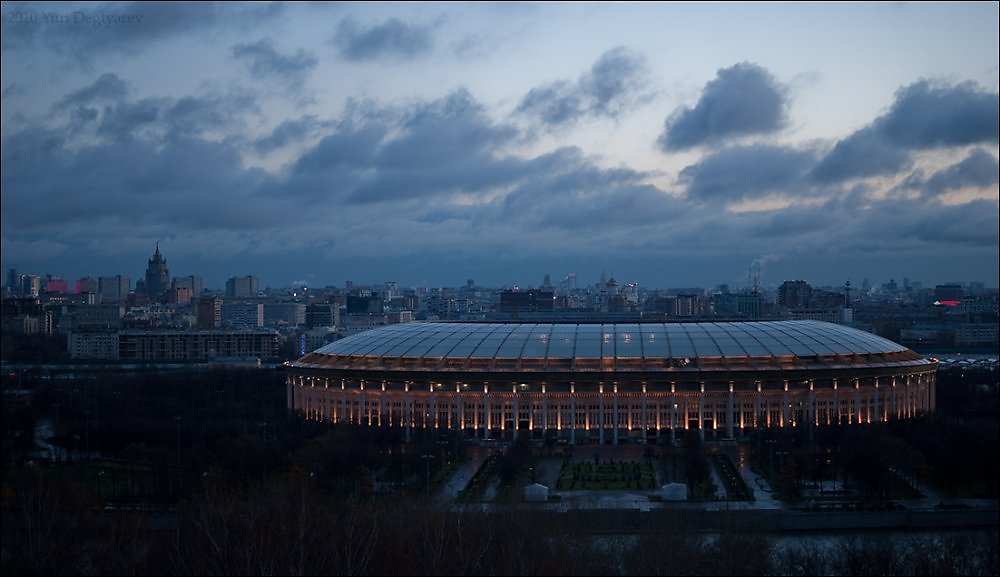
column 479, row 346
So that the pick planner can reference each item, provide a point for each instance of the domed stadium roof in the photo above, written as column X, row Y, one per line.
column 612, row 346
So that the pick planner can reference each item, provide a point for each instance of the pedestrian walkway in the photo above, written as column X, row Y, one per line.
column 452, row 488
column 545, row 471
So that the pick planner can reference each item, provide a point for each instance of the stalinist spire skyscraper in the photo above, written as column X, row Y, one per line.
column 157, row 275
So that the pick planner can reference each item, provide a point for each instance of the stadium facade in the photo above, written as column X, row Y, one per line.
column 611, row 383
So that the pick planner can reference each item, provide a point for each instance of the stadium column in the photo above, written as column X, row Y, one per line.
column 572, row 408
column 908, row 397
column 673, row 411
column 895, row 401
column 319, row 405
column 545, row 413
column 857, row 401
column 407, row 411
column 836, row 403
column 645, row 418
column 459, row 408
column 875, row 410
column 600, row 412
column 431, row 416
column 811, row 408
column 304, row 399
column 365, row 416
column 730, row 415
column 559, row 414
column 344, row 411
column 475, row 417
column 515, row 409
column 616, row 418
column 488, row 421
column 381, row 406
column 332, row 397
column 701, row 410
column 785, row 406
column 931, row 391
column 758, row 400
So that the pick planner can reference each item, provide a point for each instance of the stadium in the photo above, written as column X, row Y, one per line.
column 610, row 383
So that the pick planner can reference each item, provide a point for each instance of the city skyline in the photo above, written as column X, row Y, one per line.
column 567, row 281
column 669, row 144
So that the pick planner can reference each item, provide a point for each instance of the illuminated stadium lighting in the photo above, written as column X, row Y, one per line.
column 611, row 383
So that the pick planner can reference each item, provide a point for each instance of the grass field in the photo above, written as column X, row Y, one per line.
column 611, row 476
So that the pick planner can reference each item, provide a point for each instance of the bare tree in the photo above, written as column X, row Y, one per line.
column 44, row 523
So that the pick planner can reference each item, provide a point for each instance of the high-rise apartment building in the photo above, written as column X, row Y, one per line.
column 114, row 288
column 192, row 282
column 87, row 285
column 31, row 285
column 210, row 313
column 794, row 294
column 13, row 285
column 241, row 287
column 242, row 315
column 322, row 315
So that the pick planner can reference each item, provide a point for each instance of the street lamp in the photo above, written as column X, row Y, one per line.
column 88, row 435
column 427, row 466
column 56, row 439
column 178, row 420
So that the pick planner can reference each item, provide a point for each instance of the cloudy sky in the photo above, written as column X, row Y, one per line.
column 669, row 144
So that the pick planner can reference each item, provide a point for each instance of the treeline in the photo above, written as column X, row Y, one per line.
column 286, row 525
column 219, row 479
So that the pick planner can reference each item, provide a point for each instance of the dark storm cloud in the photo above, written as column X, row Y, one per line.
column 265, row 61
column 444, row 147
column 613, row 84
column 347, row 147
column 742, row 100
column 797, row 222
column 614, row 78
column 972, row 224
column 843, row 226
column 337, row 164
column 128, row 119
column 178, row 185
column 555, row 104
column 610, row 211
column 565, row 189
column 978, row 170
column 927, row 115
column 440, row 162
column 746, row 172
column 197, row 115
column 107, row 87
column 923, row 115
column 35, row 148
column 82, row 116
column 14, row 89
column 132, row 162
column 393, row 39
column 444, row 131
column 208, row 115
column 289, row 132
column 865, row 153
